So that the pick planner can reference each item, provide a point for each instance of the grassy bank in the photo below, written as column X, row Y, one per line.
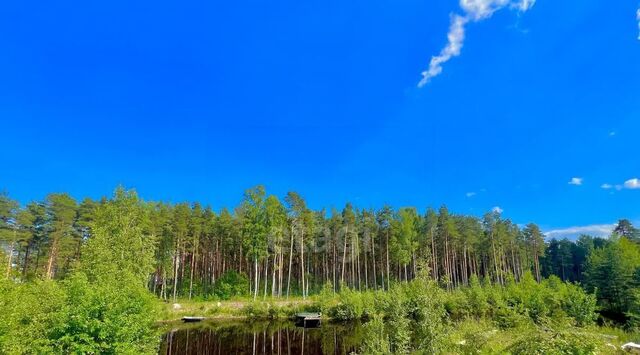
column 269, row 308
column 551, row 317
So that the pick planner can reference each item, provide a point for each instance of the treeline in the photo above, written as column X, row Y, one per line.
column 283, row 247
column 280, row 247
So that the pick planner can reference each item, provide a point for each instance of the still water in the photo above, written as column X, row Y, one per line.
column 260, row 337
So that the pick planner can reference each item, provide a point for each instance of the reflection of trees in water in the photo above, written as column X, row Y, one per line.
column 261, row 337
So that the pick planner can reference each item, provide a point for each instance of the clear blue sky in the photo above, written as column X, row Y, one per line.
column 199, row 100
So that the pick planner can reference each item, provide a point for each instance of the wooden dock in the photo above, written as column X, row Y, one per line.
column 308, row 320
column 192, row 319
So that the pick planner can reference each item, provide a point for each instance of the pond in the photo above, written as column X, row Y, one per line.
column 260, row 337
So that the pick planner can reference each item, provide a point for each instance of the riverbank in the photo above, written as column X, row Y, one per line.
column 520, row 318
column 241, row 308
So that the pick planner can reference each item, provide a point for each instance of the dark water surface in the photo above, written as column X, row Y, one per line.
column 260, row 337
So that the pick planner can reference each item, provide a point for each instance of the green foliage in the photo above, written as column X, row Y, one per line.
column 105, row 308
column 114, row 317
column 579, row 305
column 77, row 316
column 31, row 314
column 477, row 298
column 375, row 340
column 259, row 309
column 552, row 342
column 352, row 305
column 612, row 272
column 231, row 284
column 120, row 246
column 399, row 324
column 522, row 302
column 425, row 301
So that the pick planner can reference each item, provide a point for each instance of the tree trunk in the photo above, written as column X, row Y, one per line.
column 290, row 263
column 304, row 296
column 10, row 258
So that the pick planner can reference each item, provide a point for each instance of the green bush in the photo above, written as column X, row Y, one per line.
column 31, row 315
column 231, row 284
column 352, row 305
column 375, row 340
column 77, row 316
column 579, row 305
column 477, row 299
column 551, row 341
column 427, row 310
column 258, row 309
column 114, row 317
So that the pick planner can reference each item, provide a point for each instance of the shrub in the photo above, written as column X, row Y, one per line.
column 115, row 317
column 375, row 340
column 477, row 300
column 231, row 284
column 258, row 309
column 426, row 308
column 352, row 305
column 548, row 341
column 579, row 305
column 30, row 314
column 76, row 316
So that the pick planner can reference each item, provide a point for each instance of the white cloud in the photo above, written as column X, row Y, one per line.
column 606, row 186
column 596, row 230
column 471, row 194
column 497, row 209
column 576, row 181
column 456, row 40
column 474, row 10
column 632, row 184
column 612, row 134
column 638, row 18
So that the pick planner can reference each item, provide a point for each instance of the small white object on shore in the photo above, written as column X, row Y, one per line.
column 631, row 347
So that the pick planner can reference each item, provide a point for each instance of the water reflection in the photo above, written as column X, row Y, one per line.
column 261, row 337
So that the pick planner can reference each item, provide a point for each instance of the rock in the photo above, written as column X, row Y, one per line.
column 177, row 306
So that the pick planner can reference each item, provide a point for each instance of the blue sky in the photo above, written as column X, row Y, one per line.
column 198, row 100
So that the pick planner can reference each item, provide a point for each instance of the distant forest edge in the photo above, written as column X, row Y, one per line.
column 268, row 247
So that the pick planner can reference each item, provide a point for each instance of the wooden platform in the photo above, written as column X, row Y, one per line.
column 192, row 319
column 308, row 320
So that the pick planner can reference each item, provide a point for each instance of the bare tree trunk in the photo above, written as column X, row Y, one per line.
column 194, row 255
column 373, row 255
column 290, row 263
column 10, row 259
column 366, row 266
column 304, row 296
column 344, row 257
column 266, row 275
column 255, row 274
column 52, row 257
column 388, row 268
column 175, row 275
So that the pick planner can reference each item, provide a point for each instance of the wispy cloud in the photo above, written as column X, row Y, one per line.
column 471, row 194
column 474, row 11
column 596, row 230
column 497, row 209
column 638, row 18
column 632, row 184
column 576, row 181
